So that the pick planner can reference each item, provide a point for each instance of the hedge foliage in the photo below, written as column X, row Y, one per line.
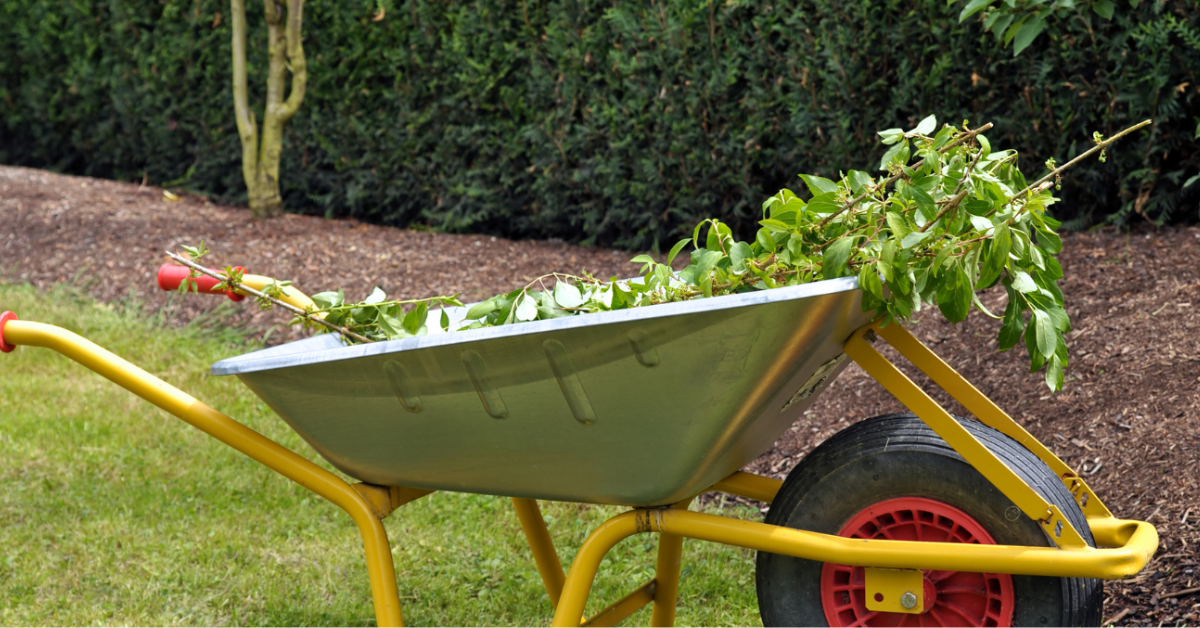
column 618, row 122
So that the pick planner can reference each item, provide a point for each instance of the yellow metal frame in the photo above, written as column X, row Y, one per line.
column 1125, row 546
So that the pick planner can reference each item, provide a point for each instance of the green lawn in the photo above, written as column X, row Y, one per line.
column 113, row 512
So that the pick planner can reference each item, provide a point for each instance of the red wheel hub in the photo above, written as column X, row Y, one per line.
column 952, row 598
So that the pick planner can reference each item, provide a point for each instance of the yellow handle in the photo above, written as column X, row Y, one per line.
column 275, row 456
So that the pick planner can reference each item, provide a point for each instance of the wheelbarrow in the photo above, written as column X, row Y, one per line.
column 913, row 519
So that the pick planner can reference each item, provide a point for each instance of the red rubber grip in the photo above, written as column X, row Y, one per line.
column 4, row 318
column 171, row 275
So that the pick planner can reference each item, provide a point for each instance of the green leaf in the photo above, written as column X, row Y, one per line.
column 997, row 257
column 926, row 126
column 818, row 185
column 1054, row 374
column 1022, row 282
column 642, row 259
column 1014, row 324
column 1036, row 359
column 835, row 257
column 415, row 319
column 1047, row 339
column 567, row 295
column 942, row 137
column 1027, row 33
column 973, row 7
column 954, row 294
column 914, row 239
column 859, row 181
column 826, row 203
column 1049, row 240
column 377, row 296
column 941, row 258
column 981, row 224
column 897, row 224
column 925, row 205
column 526, row 308
column 977, row 207
column 868, row 281
column 997, row 22
column 984, row 145
column 891, row 154
column 891, row 136
column 738, row 254
column 981, row 307
column 764, row 240
column 392, row 327
column 1103, row 8
column 479, row 310
column 445, row 321
column 708, row 260
column 326, row 300
column 676, row 249
column 777, row 225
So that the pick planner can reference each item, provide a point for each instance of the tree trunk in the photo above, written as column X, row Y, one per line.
column 261, row 155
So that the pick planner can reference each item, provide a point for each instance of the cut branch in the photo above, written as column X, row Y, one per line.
column 304, row 314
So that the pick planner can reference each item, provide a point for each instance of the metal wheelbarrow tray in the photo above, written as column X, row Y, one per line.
column 649, row 407
column 638, row 407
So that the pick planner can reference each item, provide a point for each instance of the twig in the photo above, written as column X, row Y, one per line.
column 886, row 182
column 949, row 206
column 1182, row 593
column 1101, row 145
column 251, row 291
column 1116, row 618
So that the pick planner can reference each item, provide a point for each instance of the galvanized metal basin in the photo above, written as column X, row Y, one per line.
column 639, row 407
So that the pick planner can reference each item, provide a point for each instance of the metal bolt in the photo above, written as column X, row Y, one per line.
column 908, row 600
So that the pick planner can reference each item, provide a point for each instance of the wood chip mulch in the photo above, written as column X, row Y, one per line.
column 1128, row 418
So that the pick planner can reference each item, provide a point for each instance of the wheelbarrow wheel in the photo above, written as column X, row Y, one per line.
column 892, row 477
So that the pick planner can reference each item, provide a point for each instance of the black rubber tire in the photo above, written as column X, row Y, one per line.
column 899, row 456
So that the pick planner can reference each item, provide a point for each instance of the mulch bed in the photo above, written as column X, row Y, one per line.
column 1127, row 418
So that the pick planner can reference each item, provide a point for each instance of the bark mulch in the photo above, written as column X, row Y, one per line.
column 1128, row 418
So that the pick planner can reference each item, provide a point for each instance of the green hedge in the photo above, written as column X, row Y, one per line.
column 612, row 122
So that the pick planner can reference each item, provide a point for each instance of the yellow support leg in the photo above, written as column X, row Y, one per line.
column 266, row 451
column 1028, row 500
column 666, row 575
column 542, row 547
column 750, row 486
column 624, row 607
column 989, row 413
column 587, row 562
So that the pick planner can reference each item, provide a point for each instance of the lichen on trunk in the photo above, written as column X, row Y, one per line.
column 285, row 53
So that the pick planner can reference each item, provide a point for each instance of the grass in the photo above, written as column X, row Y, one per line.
column 113, row 512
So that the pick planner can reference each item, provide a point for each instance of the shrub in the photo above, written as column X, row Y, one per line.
column 618, row 123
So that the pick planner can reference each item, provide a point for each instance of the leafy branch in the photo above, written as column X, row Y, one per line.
column 959, row 220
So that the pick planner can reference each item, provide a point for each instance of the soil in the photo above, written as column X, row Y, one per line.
column 1128, row 418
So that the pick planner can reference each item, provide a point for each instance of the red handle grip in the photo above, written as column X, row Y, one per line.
column 4, row 318
column 171, row 275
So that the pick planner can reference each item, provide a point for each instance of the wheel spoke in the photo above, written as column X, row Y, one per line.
column 937, row 614
column 862, row 621
column 960, row 611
